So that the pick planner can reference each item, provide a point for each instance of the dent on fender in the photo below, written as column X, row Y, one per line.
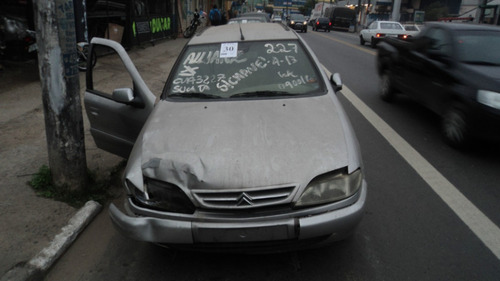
column 181, row 169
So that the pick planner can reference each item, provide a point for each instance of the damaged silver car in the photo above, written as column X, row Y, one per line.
column 248, row 148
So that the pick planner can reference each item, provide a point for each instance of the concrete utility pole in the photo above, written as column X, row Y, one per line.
column 57, row 57
column 480, row 11
column 396, row 7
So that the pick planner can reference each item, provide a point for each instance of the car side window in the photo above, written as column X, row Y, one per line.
column 109, row 73
column 373, row 25
column 439, row 42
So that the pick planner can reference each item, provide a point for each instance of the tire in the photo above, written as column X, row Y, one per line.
column 454, row 126
column 386, row 88
column 361, row 40
column 189, row 32
column 305, row 30
column 373, row 43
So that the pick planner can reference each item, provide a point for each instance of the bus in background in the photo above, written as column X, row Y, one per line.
column 341, row 17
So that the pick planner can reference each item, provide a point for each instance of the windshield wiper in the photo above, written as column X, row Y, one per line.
column 194, row 95
column 482, row 63
column 262, row 94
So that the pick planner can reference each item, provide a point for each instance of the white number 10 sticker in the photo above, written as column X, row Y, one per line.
column 228, row 50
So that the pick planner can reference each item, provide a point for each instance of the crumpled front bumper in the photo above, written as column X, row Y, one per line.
column 304, row 224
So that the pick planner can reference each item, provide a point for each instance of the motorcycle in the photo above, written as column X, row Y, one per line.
column 17, row 42
column 191, row 29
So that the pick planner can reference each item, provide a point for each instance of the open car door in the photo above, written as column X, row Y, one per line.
column 117, row 100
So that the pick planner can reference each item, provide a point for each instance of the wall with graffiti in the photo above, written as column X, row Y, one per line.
column 153, row 20
column 132, row 22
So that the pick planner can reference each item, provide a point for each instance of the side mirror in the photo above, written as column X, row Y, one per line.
column 336, row 82
column 126, row 96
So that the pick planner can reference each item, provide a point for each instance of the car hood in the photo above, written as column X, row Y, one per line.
column 239, row 144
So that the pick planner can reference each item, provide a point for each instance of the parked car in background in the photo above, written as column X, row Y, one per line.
column 454, row 70
column 297, row 22
column 276, row 18
column 412, row 29
column 323, row 24
column 378, row 30
column 248, row 148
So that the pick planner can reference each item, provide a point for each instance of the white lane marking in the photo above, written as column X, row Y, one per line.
column 479, row 223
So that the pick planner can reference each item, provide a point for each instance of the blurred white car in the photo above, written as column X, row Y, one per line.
column 380, row 29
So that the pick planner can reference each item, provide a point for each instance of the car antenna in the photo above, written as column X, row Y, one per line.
column 241, row 32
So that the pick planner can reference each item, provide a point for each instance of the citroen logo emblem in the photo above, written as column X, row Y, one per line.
column 244, row 200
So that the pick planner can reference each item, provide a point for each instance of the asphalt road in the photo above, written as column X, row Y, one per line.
column 415, row 227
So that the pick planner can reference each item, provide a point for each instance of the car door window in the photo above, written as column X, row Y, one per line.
column 109, row 73
column 478, row 47
column 439, row 42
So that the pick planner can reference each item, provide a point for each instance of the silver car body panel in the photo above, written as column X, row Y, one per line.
column 240, row 144
column 334, row 222
column 114, row 125
column 250, row 31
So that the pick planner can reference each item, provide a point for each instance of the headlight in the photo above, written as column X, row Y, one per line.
column 292, row 22
column 489, row 98
column 305, row 22
column 330, row 187
column 162, row 196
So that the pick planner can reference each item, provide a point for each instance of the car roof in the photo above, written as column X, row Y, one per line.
column 251, row 32
column 464, row 26
column 387, row 21
column 259, row 19
column 256, row 14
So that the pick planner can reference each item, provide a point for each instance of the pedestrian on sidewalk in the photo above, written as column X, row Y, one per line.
column 215, row 16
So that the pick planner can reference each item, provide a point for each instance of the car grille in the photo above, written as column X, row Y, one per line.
column 244, row 199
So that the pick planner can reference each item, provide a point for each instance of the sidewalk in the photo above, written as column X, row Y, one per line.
column 35, row 231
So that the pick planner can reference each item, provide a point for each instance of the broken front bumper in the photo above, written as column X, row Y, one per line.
column 336, row 220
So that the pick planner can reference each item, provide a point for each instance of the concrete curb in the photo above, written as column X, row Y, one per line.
column 38, row 265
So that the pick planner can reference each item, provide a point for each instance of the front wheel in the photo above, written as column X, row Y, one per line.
column 454, row 126
column 386, row 89
column 361, row 40
column 189, row 31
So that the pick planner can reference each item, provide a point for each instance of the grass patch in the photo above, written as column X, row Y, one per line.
column 97, row 189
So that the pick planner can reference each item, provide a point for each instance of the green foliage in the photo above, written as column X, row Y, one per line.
column 97, row 189
column 308, row 7
column 434, row 11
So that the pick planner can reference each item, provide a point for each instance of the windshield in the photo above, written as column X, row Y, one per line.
column 246, row 69
column 388, row 25
column 297, row 17
column 479, row 47
column 411, row 28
